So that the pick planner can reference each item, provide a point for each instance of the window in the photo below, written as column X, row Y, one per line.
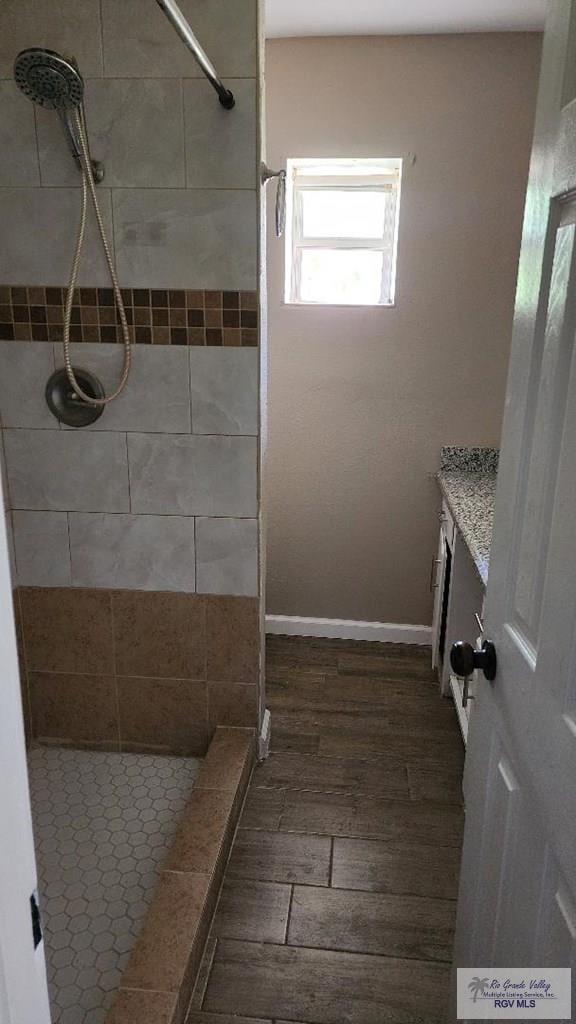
column 342, row 221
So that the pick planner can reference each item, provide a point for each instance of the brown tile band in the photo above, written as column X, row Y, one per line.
column 156, row 316
column 138, row 671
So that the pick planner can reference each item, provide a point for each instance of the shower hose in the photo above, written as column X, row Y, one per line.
column 88, row 186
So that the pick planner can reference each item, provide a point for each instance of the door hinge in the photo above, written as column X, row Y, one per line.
column 36, row 921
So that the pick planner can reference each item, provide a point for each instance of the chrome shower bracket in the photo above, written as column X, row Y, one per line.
column 69, row 127
column 267, row 175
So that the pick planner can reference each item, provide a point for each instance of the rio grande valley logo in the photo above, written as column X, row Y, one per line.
column 514, row 994
column 478, row 986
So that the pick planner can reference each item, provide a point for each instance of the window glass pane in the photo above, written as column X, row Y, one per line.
column 340, row 214
column 341, row 276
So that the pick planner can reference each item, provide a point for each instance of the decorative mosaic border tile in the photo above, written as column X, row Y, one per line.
column 156, row 316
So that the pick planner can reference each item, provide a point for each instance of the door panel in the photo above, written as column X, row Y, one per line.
column 502, row 812
column 23, row 988
column 517, row 923
column 517, row 904
column 557, row 934
column 546, row 406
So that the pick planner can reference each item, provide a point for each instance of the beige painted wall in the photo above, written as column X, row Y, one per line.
column 361, row 400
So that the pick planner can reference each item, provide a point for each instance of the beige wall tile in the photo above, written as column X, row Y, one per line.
column 11, row 547
column 233, row 639
column 165, row 715
column 68, row 26
column 155, row 643
column 160, row 635
column 132, row 552
column 139, row 41
column 18, row 156
column 178, row 238
column 63, row 470
column 78, row 708
column 220, row 144
column 157, row 396
column 233, row 704
column 224, row 389
column 24, row 371
column 42, row 549
column 53, row 214
column 135, row 129
column 227, row 556
column 67, row 630
column 189, row 475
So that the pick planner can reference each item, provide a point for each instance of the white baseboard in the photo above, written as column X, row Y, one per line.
column 348, row 629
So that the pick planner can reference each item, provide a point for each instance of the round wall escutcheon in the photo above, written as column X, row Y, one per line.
column 65, row 404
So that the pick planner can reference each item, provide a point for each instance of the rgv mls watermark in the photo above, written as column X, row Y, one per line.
column 500, row 993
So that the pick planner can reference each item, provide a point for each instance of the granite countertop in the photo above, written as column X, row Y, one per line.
column 467, row 479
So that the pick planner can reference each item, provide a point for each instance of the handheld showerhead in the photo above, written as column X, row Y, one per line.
column 55, row 83
column 48, row 79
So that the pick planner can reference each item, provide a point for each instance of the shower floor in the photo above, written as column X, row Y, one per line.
column 103, row 823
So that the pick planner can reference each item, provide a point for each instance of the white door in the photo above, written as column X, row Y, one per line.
column 23, row 990
column 517, row 904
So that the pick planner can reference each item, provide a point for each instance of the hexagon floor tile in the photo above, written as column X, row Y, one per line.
column 103, row 823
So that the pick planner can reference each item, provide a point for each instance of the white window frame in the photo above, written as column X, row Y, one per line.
column 385, row 176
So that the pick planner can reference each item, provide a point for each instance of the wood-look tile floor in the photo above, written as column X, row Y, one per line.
column 339, row 898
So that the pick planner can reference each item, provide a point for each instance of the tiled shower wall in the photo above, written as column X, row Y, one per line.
column 179, row 196
column 140, row 534
column 160, row 493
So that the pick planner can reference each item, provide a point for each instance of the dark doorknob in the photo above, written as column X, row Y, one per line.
column 464, row 659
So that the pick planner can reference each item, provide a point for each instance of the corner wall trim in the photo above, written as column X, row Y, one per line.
column 348, row 629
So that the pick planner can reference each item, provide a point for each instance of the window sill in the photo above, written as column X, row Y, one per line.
column 337, row 305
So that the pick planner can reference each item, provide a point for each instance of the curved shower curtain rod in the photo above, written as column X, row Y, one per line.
column 174, row 15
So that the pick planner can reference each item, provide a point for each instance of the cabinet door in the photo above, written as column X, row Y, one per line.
column 465, row 602
column 437, row 583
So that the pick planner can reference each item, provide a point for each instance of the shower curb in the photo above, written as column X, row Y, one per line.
column 157, row 984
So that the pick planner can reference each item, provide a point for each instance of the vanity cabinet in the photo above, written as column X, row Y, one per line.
column 458, row 609
column 440, row 576
column 467, row 481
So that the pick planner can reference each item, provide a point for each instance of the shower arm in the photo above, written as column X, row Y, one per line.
column 179, row 22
